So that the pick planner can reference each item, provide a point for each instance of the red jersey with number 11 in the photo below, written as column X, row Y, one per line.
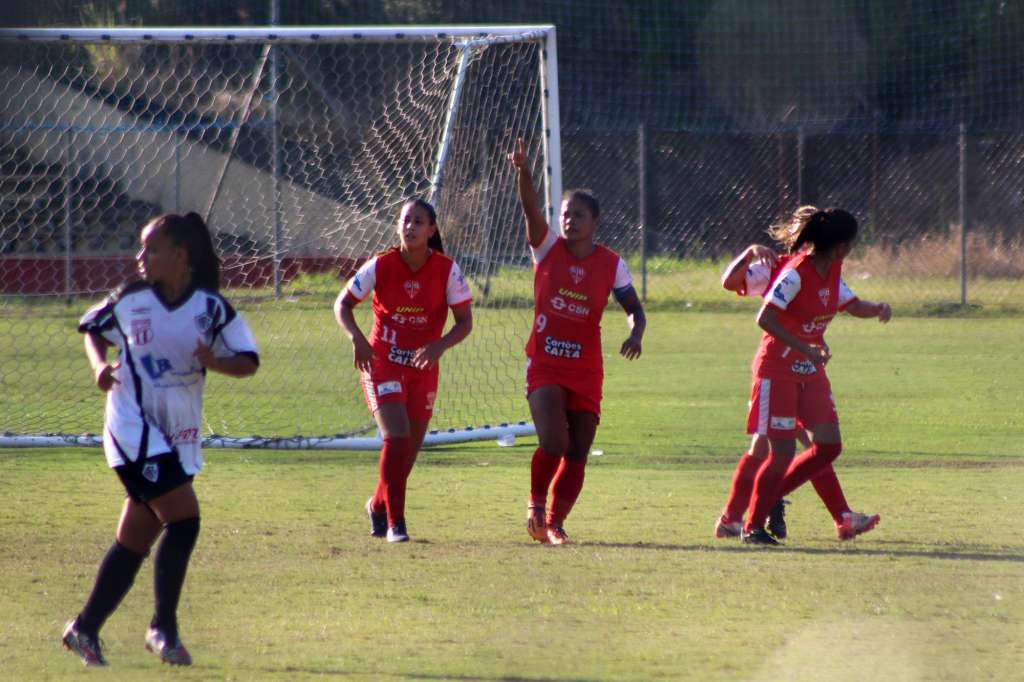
column 409, row 308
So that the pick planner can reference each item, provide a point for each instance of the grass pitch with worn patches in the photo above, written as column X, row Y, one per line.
column 286, row 584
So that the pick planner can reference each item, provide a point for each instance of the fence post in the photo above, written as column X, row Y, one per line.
column 275, row 150
column 68, row 152
column 641, row 162
column 962, row 211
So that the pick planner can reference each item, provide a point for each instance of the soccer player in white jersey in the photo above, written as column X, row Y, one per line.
column 413, row 287
column 168, row 329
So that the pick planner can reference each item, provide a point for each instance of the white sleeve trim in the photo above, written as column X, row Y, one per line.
column 362, row 283
column 784, row 289
column 623, row 277
column 539, row 253
column 457, row 291
column 758, row 277
column 846, row 295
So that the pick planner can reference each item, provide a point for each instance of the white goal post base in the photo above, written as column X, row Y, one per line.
column 504, row 434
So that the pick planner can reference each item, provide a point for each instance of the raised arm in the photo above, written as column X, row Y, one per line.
column 736, row 271
column 536, row 225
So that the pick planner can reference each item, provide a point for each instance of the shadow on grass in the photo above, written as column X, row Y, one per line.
column 313, row 670
column 899, row 550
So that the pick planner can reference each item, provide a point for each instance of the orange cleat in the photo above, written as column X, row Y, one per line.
column 535, row 524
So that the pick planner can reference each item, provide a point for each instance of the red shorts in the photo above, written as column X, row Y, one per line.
column 583, row 392
column 415, row 389
column 779, row 407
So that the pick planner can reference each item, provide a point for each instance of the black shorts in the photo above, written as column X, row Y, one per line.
column 157, row 476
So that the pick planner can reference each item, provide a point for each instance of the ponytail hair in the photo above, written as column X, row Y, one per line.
column 822, row 229
column 191, row 232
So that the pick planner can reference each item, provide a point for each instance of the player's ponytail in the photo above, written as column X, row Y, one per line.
column 822, row 229
column 202, row 254
column 190, row 231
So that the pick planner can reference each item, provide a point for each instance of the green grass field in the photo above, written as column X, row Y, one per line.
column 286, row 583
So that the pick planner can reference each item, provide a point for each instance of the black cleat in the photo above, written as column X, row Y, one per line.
column 378, row 522
column 777, row 520
column 758, row 536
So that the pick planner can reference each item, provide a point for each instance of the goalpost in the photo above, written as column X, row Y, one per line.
column 299, row 145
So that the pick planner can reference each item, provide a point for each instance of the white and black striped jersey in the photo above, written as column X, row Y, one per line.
column 158, row 404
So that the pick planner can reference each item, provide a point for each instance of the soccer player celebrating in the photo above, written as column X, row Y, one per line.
column 413, row 287
column 790, row 385
column 169, row 329
column 573, row 277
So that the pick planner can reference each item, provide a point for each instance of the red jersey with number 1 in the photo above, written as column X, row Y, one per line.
column 806, row 302
column 409, row 308
column 569, row 298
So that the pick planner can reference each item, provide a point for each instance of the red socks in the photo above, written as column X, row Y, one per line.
column 766, row 490
column 742, row 486
column 565, row 489
column 542, row 470
column 808, row 464
column 826, row 484
column 395, row 457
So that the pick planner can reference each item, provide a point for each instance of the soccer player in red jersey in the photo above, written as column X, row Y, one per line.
column 790, row 384
column 413, row 287
column 573, row 277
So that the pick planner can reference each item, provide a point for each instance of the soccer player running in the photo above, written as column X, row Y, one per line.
column 413, row 286
column 573, row 277
column 169, row 329
column 790, row 386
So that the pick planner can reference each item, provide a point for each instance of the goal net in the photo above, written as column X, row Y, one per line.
column 299, row 146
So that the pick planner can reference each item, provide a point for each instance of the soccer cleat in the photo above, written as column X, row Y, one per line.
column 378, row 522
column 728, row 529
column 84, row 646
column 758, row 536
column 535, row 524
column 172, row 653
column 558, row 536
column 855, row 523
column 777, row 520
column 397, row 532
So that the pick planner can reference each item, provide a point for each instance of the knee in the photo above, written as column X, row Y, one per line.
column 555, row 445
column 828, row 451
column 576, row 452
column 183, row 533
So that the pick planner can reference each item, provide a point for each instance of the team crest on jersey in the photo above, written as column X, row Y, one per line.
column 577, row 273
column 142, row 332
column 823, row 294
column 412, row 287
column 151, row 472
column 204, row 322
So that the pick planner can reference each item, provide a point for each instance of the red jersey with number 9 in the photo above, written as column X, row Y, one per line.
column 409, row 308
column 569, row 298
column 806, row 302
